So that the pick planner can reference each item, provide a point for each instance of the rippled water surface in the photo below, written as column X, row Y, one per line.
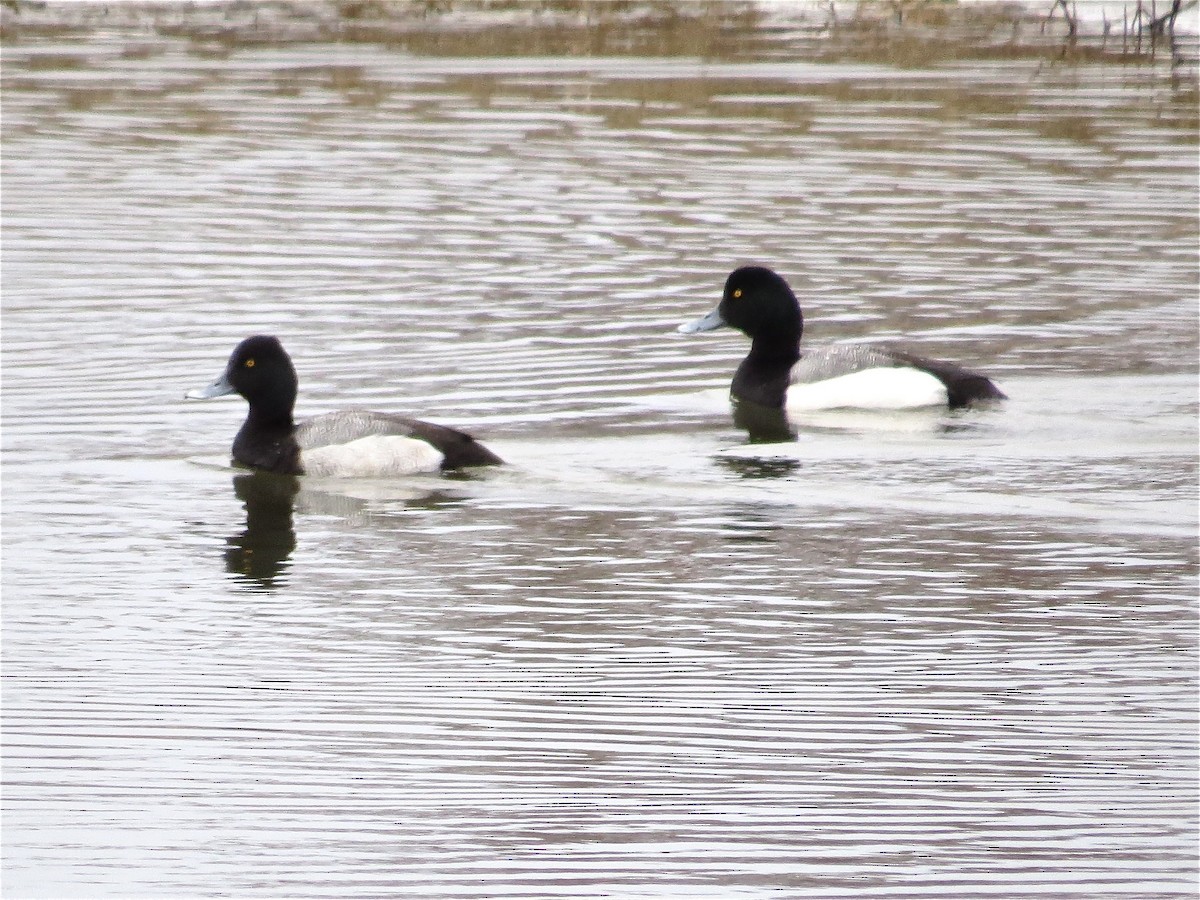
column 899, row 656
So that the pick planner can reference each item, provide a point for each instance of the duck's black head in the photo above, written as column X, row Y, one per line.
column 261, row 371
column 760, row 303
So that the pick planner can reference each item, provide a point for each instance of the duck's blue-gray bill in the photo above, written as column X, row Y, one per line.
column 706, row 323
column 218, row 388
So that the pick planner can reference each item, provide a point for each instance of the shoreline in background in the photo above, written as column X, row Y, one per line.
column 1125, row 29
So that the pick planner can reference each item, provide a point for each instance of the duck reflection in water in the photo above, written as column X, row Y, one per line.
column 762, row 424
column 258, row 556
column 771, row 425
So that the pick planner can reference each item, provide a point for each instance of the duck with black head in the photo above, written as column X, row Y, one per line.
column 351, row 443
column 777, row 374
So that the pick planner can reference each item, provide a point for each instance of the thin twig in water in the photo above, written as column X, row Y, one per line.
column 1166, row 22
column 1071, row 20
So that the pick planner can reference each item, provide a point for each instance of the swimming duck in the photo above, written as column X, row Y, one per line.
column 776, row 374
column 352, row 443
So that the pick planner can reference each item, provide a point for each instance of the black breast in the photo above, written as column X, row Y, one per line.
column 269, row 449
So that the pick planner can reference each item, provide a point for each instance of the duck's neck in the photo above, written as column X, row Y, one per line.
column 764, row 375
column 273, row 419
column 267, row 441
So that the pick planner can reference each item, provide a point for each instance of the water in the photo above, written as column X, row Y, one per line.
column 900, row 656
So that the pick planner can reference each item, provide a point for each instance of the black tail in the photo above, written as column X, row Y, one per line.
column 963, row 386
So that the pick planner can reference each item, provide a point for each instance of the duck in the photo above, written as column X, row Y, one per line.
column 349, row 443
column 777, row 374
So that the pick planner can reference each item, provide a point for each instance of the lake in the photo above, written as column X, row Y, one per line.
column 908, row 655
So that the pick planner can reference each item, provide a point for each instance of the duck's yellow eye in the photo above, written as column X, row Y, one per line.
column 249, row 364
column 737, row 292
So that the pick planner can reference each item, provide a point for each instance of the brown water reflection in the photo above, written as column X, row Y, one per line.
column 948, row 654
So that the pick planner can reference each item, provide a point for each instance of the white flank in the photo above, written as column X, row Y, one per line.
column 375, row 456
column 889, row 388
